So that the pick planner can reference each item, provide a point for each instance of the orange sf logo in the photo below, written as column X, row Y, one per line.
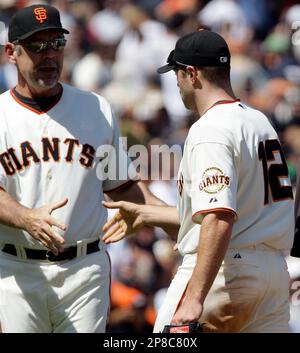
column 40, row 14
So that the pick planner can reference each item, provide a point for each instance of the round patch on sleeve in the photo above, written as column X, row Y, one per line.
column 213, row 180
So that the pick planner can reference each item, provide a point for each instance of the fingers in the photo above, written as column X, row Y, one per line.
column 115, row 236
column 117, row 204
column 55, row 222
column 111, row 231
column 54, row 239
column 50, row 243
column 114, row 220
column 57, row 205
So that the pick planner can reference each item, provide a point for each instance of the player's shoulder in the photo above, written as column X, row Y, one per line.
column 75, row 91
column 236, row 115
column 5, row 99
column 227, row 123
column 5, row 95
column 89, row 99
column 215, row 123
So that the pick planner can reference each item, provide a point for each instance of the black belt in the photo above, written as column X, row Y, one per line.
column 68, row 254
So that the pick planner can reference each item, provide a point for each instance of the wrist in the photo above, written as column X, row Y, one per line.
column 196, row 295
column 23, row 217
column 143, row 215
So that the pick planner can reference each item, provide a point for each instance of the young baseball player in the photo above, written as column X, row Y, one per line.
column 55, row 273
column 235, row 204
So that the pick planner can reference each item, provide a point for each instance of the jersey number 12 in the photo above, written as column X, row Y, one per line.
column 274, row 172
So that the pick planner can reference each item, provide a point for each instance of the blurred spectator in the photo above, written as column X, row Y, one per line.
column 130, row 311
column 219, row 14
column 8, row 74
column 291, row 136
column 168, row 8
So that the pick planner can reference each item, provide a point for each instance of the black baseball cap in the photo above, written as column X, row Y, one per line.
column 33, row 19
column 202, row 48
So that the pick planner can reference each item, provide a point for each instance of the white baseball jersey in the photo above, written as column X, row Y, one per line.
column 233, row 161
column 46, row 157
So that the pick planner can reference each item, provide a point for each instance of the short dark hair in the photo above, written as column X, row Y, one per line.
column 218, row 76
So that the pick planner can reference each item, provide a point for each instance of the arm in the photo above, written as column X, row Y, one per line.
column 37, row 222
column 137, row 192
column 216, row 229
column 131, row 217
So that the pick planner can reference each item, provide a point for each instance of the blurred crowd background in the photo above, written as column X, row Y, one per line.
column 114, row 49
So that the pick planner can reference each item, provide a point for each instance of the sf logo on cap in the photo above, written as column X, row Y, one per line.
column 40, row 14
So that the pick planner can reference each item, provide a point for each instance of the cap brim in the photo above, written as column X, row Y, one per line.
column 43, row 29
column 166, row 68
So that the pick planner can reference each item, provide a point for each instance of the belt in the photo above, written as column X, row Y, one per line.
column 68, row 253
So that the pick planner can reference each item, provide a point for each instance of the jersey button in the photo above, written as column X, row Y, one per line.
column 49, row 176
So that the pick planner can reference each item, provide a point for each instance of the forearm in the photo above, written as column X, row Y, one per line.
column 140, row 207
column 165, row 217
column 148, row 197
column 215, row 235
column 138, row 192
column 12, row 213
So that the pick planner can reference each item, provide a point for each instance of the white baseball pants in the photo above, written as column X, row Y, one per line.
column 41, row 296
column 249, row 294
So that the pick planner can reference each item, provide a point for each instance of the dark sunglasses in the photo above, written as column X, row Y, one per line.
column 38, row 46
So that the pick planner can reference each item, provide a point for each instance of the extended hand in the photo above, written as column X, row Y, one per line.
column 39, row 222
column 126, row 221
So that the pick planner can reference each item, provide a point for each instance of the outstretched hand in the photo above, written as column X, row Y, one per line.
column 126, row 221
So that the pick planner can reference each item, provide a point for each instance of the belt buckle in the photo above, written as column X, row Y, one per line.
column 50, row 256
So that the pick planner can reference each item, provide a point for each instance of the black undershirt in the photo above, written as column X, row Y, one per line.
column 39, row 104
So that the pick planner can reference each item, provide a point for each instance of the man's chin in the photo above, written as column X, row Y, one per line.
column 47, row 83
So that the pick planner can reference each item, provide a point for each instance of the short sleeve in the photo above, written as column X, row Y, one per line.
column 2, row 181
column 121, row 167
column 213, row 179
column 3, row 162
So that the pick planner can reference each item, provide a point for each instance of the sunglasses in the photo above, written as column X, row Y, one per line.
column 39, row 46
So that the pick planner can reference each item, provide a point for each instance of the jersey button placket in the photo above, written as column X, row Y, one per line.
column 49, row 175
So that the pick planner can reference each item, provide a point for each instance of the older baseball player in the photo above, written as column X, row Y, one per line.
column 235, row 204
column 55, row 273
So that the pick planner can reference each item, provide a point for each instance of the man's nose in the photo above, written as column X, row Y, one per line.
column 49, row 51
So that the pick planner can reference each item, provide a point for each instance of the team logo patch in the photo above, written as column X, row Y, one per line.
column 40, row 14
column 214, row 180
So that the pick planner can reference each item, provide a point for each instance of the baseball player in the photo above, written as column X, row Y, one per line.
column 55, row 272
column 235, row 204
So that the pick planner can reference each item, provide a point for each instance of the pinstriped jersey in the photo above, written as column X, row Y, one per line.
column 233, row 161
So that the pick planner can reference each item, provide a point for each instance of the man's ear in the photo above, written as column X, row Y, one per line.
column 10, row 51
column 192, row 73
